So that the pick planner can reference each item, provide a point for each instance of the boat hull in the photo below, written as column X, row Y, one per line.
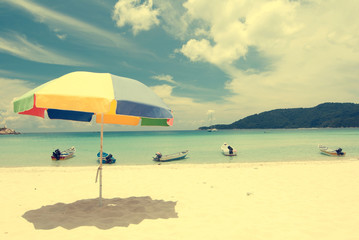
column 104, row 161
column 330, row 152
column 226, row 151
column 229, row 154
column 212, row 130
column 111, row 160
column 171, row 157
column 63, row 155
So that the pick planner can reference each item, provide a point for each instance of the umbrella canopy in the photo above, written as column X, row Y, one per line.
column 78, row 96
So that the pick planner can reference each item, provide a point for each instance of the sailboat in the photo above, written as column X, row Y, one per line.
column 211, row 127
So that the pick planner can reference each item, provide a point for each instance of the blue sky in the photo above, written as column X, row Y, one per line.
column 233, row 58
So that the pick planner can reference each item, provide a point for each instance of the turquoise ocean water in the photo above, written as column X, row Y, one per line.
column 138, row 148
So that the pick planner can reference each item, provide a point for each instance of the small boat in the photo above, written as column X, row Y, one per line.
column 170, row 157
column 63, row 155
column 211, row 128
column 330, row 152
column 227, row 150
column 106, row 158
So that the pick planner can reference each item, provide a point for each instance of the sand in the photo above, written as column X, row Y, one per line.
column 301, row 200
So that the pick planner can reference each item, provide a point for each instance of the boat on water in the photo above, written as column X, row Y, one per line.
column 106, row 158
column 228, row 150
column 63, row 155
column 211, row 126
column 330, row 152
column 212, row 130
column 170, row 157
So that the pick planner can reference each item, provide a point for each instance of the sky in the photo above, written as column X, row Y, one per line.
column 222, row 58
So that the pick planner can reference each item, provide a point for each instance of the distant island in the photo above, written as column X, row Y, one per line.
column 7, row 131
column 325, row 115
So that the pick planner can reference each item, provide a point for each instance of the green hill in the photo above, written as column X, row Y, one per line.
column 334, row 115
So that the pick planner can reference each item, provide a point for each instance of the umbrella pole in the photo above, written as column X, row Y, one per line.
column 101, row 154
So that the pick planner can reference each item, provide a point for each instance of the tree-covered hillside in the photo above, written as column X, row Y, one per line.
column 333, row 115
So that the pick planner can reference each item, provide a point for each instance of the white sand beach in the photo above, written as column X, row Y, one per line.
column 301, row 200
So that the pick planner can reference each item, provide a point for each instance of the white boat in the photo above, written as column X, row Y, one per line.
column 228, row 150
column 330, row 152
column 170, row 157
column 63, row 155
column 211, row 126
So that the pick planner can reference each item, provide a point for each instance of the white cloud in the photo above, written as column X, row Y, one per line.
column 165, row 92
column 63, row 24
column 185, row 109
column 173, row 17
column 61, row 36
column 312, row 48
column 189, row 114
column 19, row 46
column 10, row 88
column 141, row 16
column 234, row 25
column 166, row 78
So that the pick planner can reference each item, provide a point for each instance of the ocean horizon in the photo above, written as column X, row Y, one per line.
column 138, row 147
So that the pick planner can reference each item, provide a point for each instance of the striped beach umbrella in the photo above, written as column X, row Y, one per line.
column 78, row 96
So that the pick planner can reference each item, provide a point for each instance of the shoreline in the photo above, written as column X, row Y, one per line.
column 271, row 200
column 188, row 130
column 175, row 164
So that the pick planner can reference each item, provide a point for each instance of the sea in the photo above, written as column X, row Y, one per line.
column 139, row 147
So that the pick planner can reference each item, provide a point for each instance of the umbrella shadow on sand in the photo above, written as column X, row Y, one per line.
column 113, row 213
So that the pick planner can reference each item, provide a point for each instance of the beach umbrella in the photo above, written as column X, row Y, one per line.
column 78, row 96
